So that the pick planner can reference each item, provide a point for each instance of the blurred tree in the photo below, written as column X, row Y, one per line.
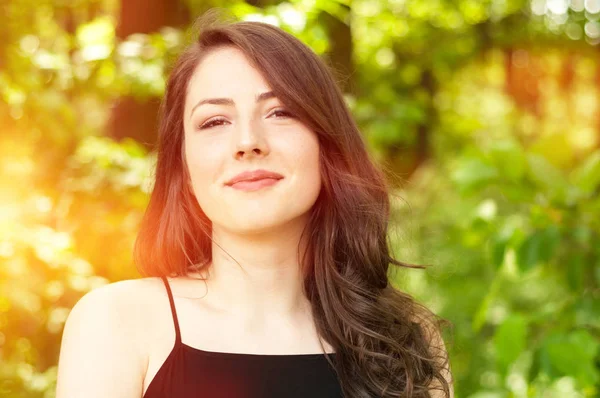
column 137, row 117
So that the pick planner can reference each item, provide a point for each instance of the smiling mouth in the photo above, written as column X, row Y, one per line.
column 255, row 185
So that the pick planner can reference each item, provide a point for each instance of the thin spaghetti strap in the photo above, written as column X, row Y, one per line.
column 172, row 302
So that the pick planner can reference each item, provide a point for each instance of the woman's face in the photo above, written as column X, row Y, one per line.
column 226, row 138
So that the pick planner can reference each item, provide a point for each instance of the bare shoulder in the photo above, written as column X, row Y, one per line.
column 102, row 351
column 121, row 303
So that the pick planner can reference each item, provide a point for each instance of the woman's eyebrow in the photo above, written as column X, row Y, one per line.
column 228, row 101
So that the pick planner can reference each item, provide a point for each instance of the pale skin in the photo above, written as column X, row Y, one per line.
column 117, row 336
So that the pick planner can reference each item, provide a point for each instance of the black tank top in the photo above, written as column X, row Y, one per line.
column 190, row 372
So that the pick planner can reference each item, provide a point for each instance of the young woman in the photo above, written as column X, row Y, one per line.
column 264, row 247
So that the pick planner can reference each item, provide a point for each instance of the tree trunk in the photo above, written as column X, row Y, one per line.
column 130, row 117
column 522, row 80
column 339, row 55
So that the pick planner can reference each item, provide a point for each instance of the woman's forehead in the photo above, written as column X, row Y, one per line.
column 226, row 73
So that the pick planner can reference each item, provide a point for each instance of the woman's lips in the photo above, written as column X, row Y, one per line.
column 255, row 185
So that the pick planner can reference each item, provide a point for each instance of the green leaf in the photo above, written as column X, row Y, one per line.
column 509, row 158
column 587, row 176
column 586, row 312
column 547, row 177
column 538, row 247
column 575, row 271
column 528, row 254
column 498, row 249
column 554, row 147
column 473, row 172
column 573, row 355
column 508, row 232
column 510, row 340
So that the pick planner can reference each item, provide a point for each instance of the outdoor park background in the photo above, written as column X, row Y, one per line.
column 486, row 112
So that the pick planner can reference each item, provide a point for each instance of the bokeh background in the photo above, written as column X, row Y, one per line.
column 484, row 112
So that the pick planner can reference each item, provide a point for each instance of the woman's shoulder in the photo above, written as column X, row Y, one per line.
column 121, row 294
column 105, row 338
column 131, row 299
column 126, row 303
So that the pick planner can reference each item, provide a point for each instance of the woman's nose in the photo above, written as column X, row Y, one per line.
column 250, row 140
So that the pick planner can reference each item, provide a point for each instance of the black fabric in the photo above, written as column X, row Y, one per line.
column 190, row 372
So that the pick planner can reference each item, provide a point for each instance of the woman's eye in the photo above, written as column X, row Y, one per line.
column 279, row 113
column 212, row 123
column 282, row 112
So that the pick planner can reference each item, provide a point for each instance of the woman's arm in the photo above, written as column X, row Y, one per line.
column 100, row 354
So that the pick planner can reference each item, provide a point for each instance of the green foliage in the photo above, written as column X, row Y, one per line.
column 517, row 239
column 510, row 341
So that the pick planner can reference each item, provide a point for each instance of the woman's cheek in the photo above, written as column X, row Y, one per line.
column 198, row 168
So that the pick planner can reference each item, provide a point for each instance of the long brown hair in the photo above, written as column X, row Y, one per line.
column 380, row 334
